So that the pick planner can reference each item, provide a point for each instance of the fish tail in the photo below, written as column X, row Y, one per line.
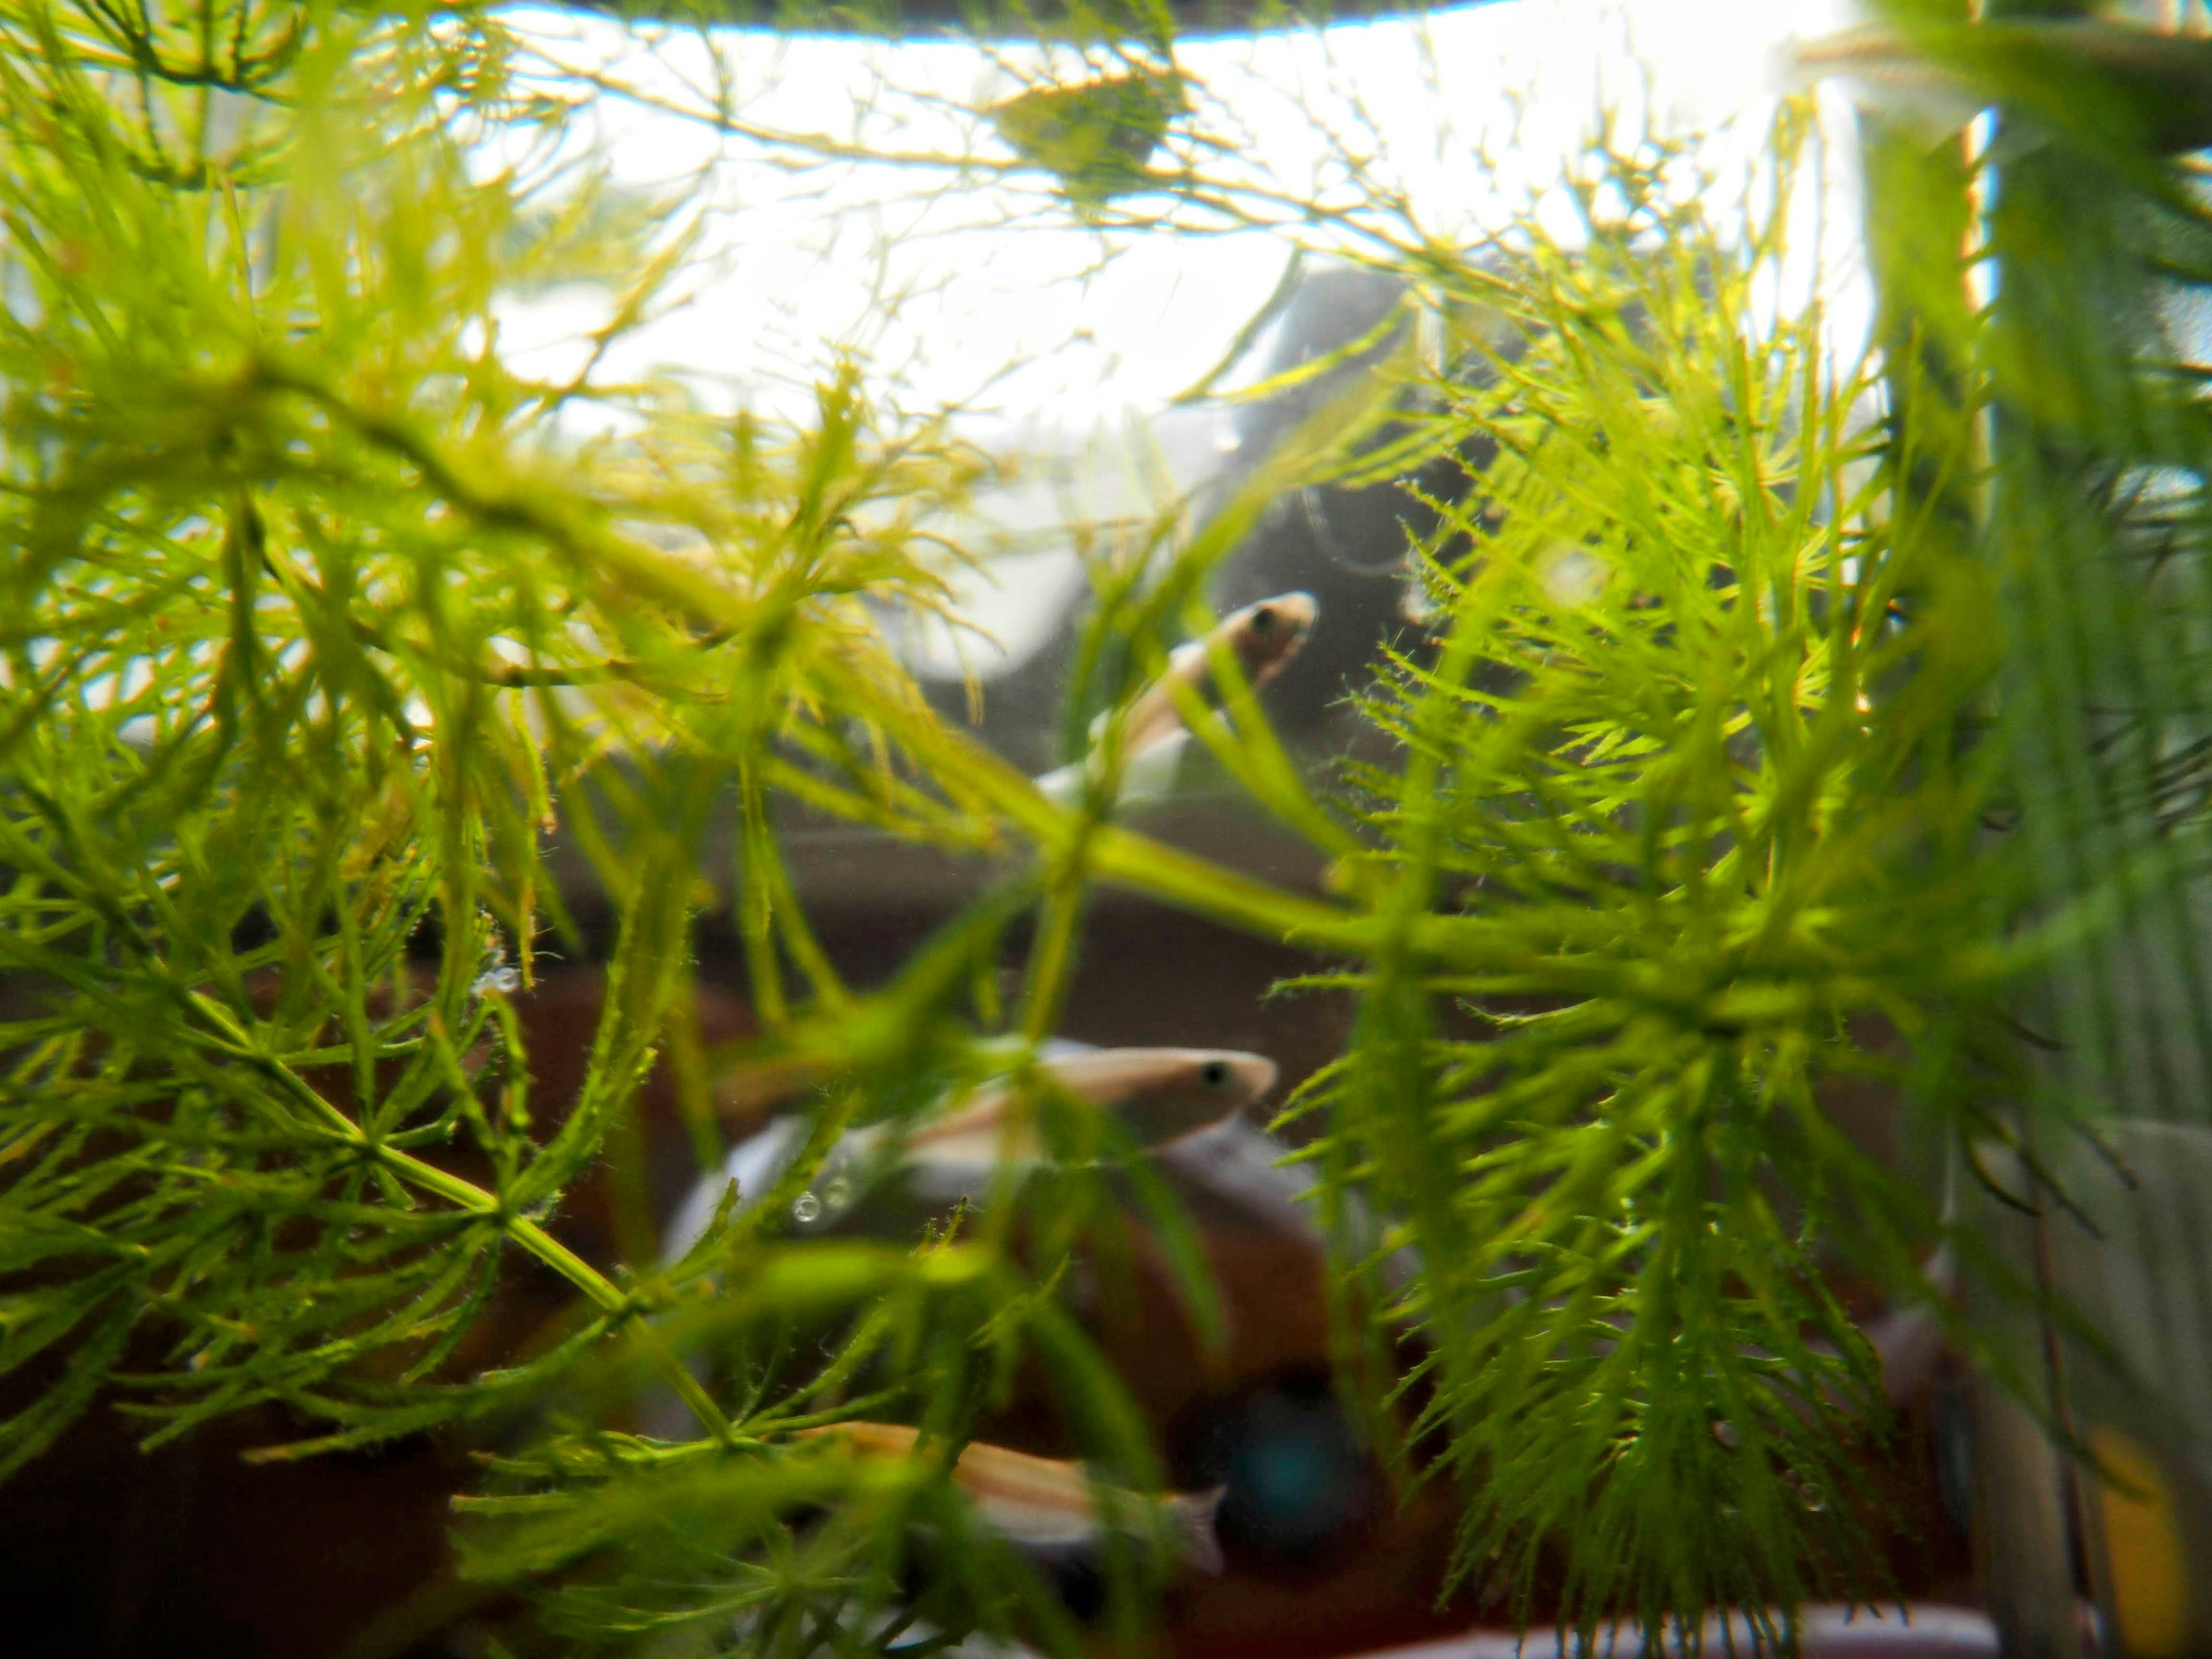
column 1192, row 1516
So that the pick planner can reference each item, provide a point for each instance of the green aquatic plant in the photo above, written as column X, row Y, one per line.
column 320, row 618
column 1682, row 835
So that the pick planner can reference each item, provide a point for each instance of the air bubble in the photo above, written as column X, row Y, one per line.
column 806, row 1209
column 504, row 979
column 836, row 1192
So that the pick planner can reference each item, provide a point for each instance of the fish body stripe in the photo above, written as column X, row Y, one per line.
column 1042, row 1502
column 1157, row 1095
column 1037, row 1500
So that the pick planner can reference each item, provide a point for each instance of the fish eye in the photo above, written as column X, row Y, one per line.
column 1263, row 619
column 1215, row 1074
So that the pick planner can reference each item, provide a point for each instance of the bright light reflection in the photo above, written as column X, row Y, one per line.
column 977, row 290
column 978, row 293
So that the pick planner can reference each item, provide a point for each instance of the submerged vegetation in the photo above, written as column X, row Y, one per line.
column 1710, row 780
column 1682, row 817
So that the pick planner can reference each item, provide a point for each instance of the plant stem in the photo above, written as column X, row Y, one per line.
column 466, row 1195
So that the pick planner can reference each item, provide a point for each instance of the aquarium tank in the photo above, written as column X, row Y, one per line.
column 1106, row 826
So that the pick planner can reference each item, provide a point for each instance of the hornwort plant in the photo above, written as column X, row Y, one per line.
column 318, row 614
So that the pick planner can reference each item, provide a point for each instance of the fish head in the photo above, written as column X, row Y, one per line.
column 1159, row 1095
column 1267, row 633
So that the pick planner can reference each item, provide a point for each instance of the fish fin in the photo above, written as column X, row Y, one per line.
column 1194, row 1514
column 753, row 1163
column 1149, row 774
column 1062, row 785
column 1908, row 1348
column 1910, row 1343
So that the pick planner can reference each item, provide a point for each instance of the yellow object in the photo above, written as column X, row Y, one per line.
column 2144, row 1561
column 1097, row 136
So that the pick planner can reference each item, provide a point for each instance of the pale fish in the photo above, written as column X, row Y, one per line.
column 1262, row 638
column 1049, row 1506
column 1155, row 1096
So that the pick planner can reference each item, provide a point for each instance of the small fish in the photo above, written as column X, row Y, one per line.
column 1097, row 137
column 2111, row 82
column 1263, row 638
column 1157, row 1096
column 1042, row 1504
